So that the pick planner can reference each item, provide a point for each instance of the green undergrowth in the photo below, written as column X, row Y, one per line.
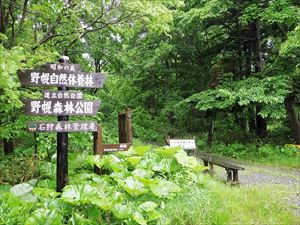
column 145, row 185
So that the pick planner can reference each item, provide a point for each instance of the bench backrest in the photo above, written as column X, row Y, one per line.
column 186, row 144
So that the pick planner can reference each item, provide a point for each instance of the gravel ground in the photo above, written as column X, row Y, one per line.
column 257, row 174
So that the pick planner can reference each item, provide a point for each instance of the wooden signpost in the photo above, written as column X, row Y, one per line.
column 62, row 103
column 125, row 135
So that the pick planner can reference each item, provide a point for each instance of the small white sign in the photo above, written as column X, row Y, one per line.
column 184, row 143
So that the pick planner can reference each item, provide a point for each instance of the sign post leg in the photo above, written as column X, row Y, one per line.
column 98, row 150
column 62, row 158
column 62, row 151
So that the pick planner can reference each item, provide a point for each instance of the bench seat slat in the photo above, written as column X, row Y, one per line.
column 219, row 162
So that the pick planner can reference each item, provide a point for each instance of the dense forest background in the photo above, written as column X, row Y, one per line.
column 220, row 71
column 225, row 72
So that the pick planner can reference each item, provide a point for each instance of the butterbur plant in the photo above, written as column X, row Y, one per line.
column 134, row 188
column 137, row 183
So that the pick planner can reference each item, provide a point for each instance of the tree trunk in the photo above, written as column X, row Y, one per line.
column 261, row 123
column 210, row 127
column 252, row 119
column 2, row 19
column 8, row 146
column 293, row 118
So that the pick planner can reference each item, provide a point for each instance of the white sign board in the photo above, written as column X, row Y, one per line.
column 184, row 143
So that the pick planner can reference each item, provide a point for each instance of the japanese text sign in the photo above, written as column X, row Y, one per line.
column 115, row 147
column 62, row 126
column 63, row 95
column 42, row 107
column 61, row 79
column 184, row 143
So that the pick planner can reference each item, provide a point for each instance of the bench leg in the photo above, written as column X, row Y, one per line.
column 207, row 170
column 232, row 175
column 229, row 175
column 211, row 166
column 235, row 176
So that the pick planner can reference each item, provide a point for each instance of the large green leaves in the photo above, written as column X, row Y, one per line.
column 24, row 191
column 44, row 217
column 133, row 186
column 165, row 189
column 21, row 189
column 79, row 194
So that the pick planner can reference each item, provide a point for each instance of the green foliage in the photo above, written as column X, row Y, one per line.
column 270, row 92
column 12, row 60
column 138, row 182
column 161, row 187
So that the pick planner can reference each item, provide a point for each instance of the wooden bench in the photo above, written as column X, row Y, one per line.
column 208, row 159
column 231, row 170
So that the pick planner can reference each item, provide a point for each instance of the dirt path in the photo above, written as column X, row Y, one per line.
column 258, row 174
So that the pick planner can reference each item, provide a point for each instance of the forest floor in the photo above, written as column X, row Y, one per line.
column 257, row 174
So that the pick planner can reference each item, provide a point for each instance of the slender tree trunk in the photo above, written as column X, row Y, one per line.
column 2, row 24
column 252, row 119
column 289, row 104
column 210, row 127
column 261, row 123
column 8, row 146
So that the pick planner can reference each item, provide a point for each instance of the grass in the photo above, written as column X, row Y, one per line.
column 276, row 160
column 217, row 203
column 16, row 169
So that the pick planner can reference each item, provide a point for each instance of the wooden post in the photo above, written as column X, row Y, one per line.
column 121, row 126
column 62, row 148
column 128, row 123
column 125, row 127
column 98, row 149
